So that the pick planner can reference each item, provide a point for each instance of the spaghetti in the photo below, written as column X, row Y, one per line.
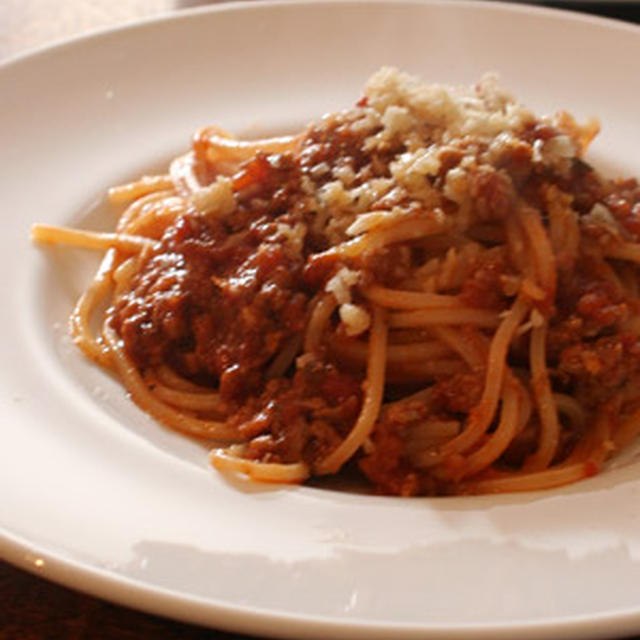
column 432, row 287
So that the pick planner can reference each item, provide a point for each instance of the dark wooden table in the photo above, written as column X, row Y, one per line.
column 32, row 608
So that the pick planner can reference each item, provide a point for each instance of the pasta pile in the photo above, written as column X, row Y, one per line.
column 431, row 288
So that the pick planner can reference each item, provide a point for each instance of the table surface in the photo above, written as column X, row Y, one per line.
column 32, row 608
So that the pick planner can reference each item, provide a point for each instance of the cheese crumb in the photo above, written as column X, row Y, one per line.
column 356, row 320
column 340, row 285
column 216, row 199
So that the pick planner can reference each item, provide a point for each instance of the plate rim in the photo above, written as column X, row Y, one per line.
column 101, row 583
column 209, row 613
column 522, row 6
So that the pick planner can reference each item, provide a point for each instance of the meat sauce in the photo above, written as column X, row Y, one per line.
column 219, row 299
column 217, row 302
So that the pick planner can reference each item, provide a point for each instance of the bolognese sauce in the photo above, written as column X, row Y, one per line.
column 433, row 286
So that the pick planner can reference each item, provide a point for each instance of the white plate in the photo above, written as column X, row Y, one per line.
column 93, row 494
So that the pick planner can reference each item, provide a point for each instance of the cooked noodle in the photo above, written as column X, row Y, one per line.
column 432, row 287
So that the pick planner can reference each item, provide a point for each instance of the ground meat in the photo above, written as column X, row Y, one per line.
column 387, row 266
column 265, row 186
column 539, row 131
column 335, row 142
column 583, row 183
column 303, row 418
column 460, row 393
column 483, row 289
column 214, row 305
column 492, row 193
column 516, row 158
column 331, row 143
column 563, row 334
column 624, row 204
column 601, row 307
column 595, row 369
column 386, row 467
column 593, row 302
column 450, row 157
